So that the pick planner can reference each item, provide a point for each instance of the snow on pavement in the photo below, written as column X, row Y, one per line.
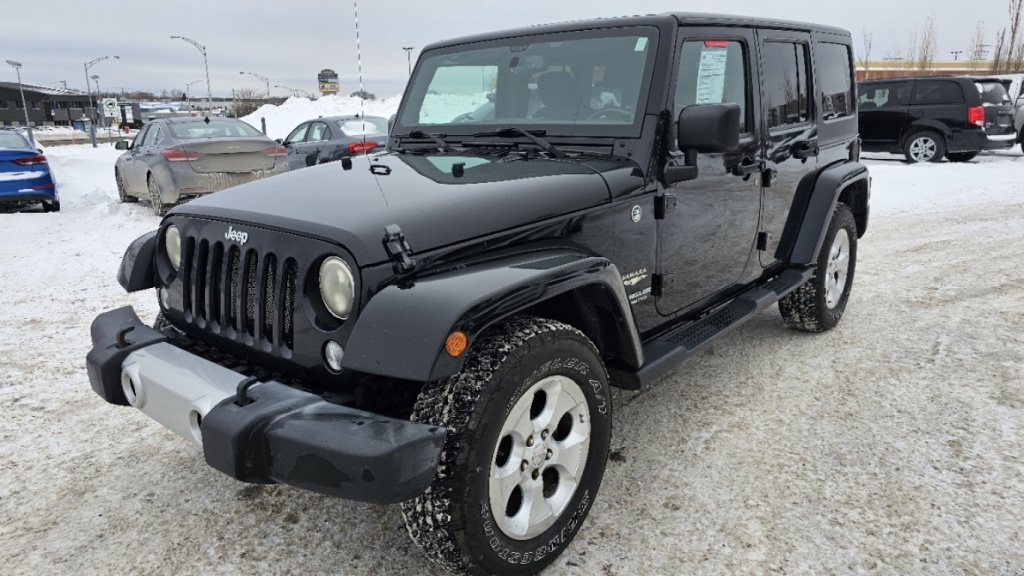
column 892, row 444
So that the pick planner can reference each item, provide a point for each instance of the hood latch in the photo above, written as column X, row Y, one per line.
column 398, row 249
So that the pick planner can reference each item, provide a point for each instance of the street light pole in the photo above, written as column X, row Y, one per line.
column 408, row 56
column 24, row 105
column 99, row 97
column 92, row 106
column 188, row 98
column 206, row 64
column 261, row 77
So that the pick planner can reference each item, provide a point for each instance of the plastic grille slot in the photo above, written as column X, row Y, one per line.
column 199, row 285
column 214, row 280
column 291, row 273
column 235, row 259
column 250, row 277
column 269, row 296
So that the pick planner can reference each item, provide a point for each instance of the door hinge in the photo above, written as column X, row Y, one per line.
column 660, row 283
column 398, row 249
column 663, row 205
column 763, row 238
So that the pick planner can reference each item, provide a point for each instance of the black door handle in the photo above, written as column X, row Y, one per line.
column 806, row 149
column 746, row 167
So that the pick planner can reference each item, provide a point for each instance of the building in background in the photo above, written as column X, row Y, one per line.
column 46, row 106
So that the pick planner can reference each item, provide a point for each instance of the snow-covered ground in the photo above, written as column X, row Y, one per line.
column 893, row 444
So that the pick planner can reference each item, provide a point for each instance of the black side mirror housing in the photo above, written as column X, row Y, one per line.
column 122, row 145
column 709, row 127
column 279, row 140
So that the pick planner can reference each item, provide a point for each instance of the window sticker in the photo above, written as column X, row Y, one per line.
column 641, row 44
column 711, row 76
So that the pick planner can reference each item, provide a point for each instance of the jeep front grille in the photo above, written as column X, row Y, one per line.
column 239, row 293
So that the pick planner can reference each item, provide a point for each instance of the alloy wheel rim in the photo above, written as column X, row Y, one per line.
column 837, row 269
column 540, row 457
column 922, row 149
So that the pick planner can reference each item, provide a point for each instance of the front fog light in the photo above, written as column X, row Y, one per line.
column 172, row 243
column 337, row 287
column 333, row 353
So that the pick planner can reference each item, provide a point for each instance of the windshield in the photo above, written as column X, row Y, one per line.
column 215, row 129
column 571, row 83
column 12, row 140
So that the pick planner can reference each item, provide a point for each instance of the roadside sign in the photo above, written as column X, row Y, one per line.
column 110, row 107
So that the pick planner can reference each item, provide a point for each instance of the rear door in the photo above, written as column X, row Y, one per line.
column 706, row 238
column 789, row 121
column 998, row 107
column 883, row 112
column 939, row 101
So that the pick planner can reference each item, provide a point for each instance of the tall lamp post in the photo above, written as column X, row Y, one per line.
column 92, row 106
column 295, row 91
column 408, row 56
column 99, row 97
column 206, row 64
column 24, row 106
column 265, row 80
column 188, row 98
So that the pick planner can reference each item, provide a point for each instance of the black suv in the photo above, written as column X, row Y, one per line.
column 928, row 118
column 558, row 210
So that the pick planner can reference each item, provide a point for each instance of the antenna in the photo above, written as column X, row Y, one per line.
column 359, row 59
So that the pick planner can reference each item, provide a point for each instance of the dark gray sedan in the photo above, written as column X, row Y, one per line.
column 179, row 158
column 333, row 138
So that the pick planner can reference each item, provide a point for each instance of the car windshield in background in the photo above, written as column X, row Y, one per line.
column 360, row 126
column 993, row 93
column 12, row 140
column 561, row 81
column 215, row 129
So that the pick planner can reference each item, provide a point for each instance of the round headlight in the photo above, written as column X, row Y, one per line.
column 337, row 287
column 172, row 243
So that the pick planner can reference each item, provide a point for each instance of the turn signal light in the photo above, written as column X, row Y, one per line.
column 456, row 343
column 976, row 116
column 31, row 160
column 361, row 147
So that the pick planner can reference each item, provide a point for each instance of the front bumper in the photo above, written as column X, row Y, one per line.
column 268, row 433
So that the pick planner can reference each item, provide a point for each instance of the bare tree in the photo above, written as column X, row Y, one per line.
column 976, row 51
column 926, row 44
column 865, row 55
column 247, row 101
column 1009, row 52
column 896, row 62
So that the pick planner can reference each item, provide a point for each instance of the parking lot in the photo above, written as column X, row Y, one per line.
column 890, row 445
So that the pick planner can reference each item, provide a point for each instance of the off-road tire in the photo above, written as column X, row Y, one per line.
column 454, row 520
column 159, row 208
column 961, row 156
column 808, row 307
column 159, row 323
column 924, row 146
column 122, row 192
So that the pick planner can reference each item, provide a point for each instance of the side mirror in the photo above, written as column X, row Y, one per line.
column 709, row 127
column 279, row 140
column 122, row 145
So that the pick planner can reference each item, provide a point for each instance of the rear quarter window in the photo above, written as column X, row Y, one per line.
column 835, row 77
column 933, row 92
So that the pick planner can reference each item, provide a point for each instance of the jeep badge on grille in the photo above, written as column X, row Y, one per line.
column 237, row 235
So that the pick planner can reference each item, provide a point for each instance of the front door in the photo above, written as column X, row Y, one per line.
column 707, row 236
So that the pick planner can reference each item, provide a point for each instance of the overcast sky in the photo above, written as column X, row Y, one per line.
column 289, row 41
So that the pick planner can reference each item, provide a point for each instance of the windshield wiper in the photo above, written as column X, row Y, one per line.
column 441, row 144
column 531, row 135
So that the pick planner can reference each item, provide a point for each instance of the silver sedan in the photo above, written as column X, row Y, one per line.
column 174, row 159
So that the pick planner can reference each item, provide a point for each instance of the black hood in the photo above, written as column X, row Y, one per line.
column 420, row 193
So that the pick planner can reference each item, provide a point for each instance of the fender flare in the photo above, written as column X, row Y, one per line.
column 818, row 193
column 402, row 330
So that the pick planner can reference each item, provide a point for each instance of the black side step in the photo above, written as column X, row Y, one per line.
column 661, row 356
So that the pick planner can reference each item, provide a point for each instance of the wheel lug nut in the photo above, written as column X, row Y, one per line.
column 536, row 474
column 529, row 441
column 524, row 465
column 544, row 435
column 548, row 455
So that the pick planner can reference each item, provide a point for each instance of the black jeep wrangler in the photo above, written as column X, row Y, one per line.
column 559, row 209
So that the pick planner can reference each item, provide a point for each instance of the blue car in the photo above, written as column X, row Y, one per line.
column 25, row 178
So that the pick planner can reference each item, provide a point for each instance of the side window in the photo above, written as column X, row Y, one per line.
column 298, row 134
column 318, row 132
column 887, row 95
column 787, row 91
column 835, row 80
column 932, row 92
column 141, row 136
column 713, row 72
column 152, row 136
